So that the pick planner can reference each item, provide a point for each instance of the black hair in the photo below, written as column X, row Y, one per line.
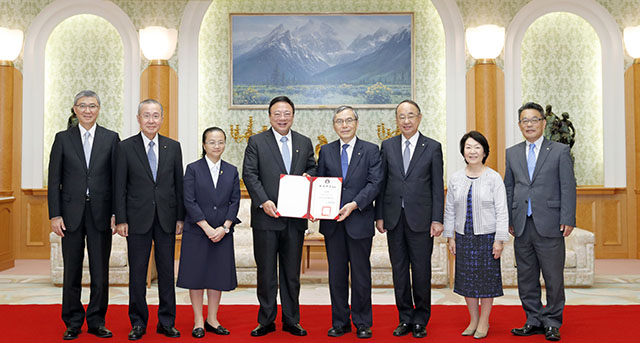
column 211, row 129
column 282, row 98
column 531, row 106
column 478, row 137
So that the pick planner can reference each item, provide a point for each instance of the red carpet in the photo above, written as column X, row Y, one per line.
column 609, row 324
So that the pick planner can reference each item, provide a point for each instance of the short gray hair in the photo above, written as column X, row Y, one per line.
column 150, row 101
column 86, row 94
column 342, row 108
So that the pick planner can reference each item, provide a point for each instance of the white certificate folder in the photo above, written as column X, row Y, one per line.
column 309, row 197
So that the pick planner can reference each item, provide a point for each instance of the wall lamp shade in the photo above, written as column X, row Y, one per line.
column 158, row 43
column 485, row 42
column 10, row 44
column 632, row 41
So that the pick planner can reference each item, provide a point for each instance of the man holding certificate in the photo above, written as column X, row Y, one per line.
column 348, row 239
column 277, row 240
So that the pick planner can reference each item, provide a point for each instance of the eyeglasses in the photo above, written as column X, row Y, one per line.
column 349, row 121
column 214, row 143
column 154, row 116
column 91, row 107
column 282, row 114
column 411, row 117
column 533, row 121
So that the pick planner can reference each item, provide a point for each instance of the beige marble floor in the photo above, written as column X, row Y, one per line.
column 617, row 282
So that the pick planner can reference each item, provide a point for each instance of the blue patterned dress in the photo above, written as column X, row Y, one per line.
column 477, row 272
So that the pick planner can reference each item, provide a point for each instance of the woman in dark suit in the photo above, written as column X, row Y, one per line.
column 212, row 199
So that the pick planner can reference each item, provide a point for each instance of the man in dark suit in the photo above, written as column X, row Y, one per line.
column 277, row 241
column 410, row 208
column 348, row 239
column 150, row 208
column 541, row 193
column 81, row 169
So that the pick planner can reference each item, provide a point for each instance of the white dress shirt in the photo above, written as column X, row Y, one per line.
column 538, row 143
column 214, row 169
column 92, row 134
column 155, row 145
column 351, row 143
column 412, row 147
column 278, row 136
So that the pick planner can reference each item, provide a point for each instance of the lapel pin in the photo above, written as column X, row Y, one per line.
column 297, row 150
column 164, row 147
column 358, row 154
column 220, row 172
column 547, row 149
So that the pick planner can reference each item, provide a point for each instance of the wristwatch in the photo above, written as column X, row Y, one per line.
column 226, row 228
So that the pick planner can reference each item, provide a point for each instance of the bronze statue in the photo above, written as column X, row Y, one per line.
column 559, row 130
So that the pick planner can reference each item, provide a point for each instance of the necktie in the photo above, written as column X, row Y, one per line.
column 286, row 155
column 344, row 159
column 406, row 156
column 87, row 147
column 153, row 161
column 531, row 166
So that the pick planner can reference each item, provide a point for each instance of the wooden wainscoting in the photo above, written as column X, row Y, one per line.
column 603, row 211
column 34, row 228
column 6, row 233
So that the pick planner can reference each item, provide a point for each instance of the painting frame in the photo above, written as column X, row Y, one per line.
column 386, row 95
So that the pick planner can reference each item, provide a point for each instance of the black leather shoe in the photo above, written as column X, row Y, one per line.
column 337, row 332
column 294, row 329
column 136, row 333
column 220, row 330
column 169, row 331
column 364, row 332
column 197, row 332
column 551, row 333
column 419, row 331
column 71, row 333
column 262, row 330
column 100, row 331
column 402, row 329
column 527, row 330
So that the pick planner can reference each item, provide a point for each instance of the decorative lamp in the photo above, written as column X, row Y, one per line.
column 485, row 42
column 158, row 43
column 632, row 41
column 11, row 42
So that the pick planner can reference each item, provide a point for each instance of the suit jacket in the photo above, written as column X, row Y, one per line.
column 261, row 171
column 204, row 201
column 69, row 177
column 422, row 187
column 552, row 189
column 139, row 198
column 361, row 184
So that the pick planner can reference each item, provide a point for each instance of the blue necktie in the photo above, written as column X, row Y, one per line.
column 406, row 156
column 87, row 147
column 344, row 159
column 153, row 161
column 286, row 155
column 531, row 165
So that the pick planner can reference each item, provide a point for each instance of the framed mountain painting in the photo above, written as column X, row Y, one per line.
column 321, row 60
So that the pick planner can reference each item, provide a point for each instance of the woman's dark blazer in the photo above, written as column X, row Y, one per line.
column 204, row 201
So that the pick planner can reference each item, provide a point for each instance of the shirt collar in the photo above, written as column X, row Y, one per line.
column 351, row 143
column 413, row 139
column 211, row 164
column 146, row 140
column 92, row 130
column 538, row 142
column 278, row 135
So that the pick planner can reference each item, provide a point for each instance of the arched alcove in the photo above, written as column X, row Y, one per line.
column 562, row 67
column 34, row 73
column 83, row 52
column 612, row 76
column 451, row 76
